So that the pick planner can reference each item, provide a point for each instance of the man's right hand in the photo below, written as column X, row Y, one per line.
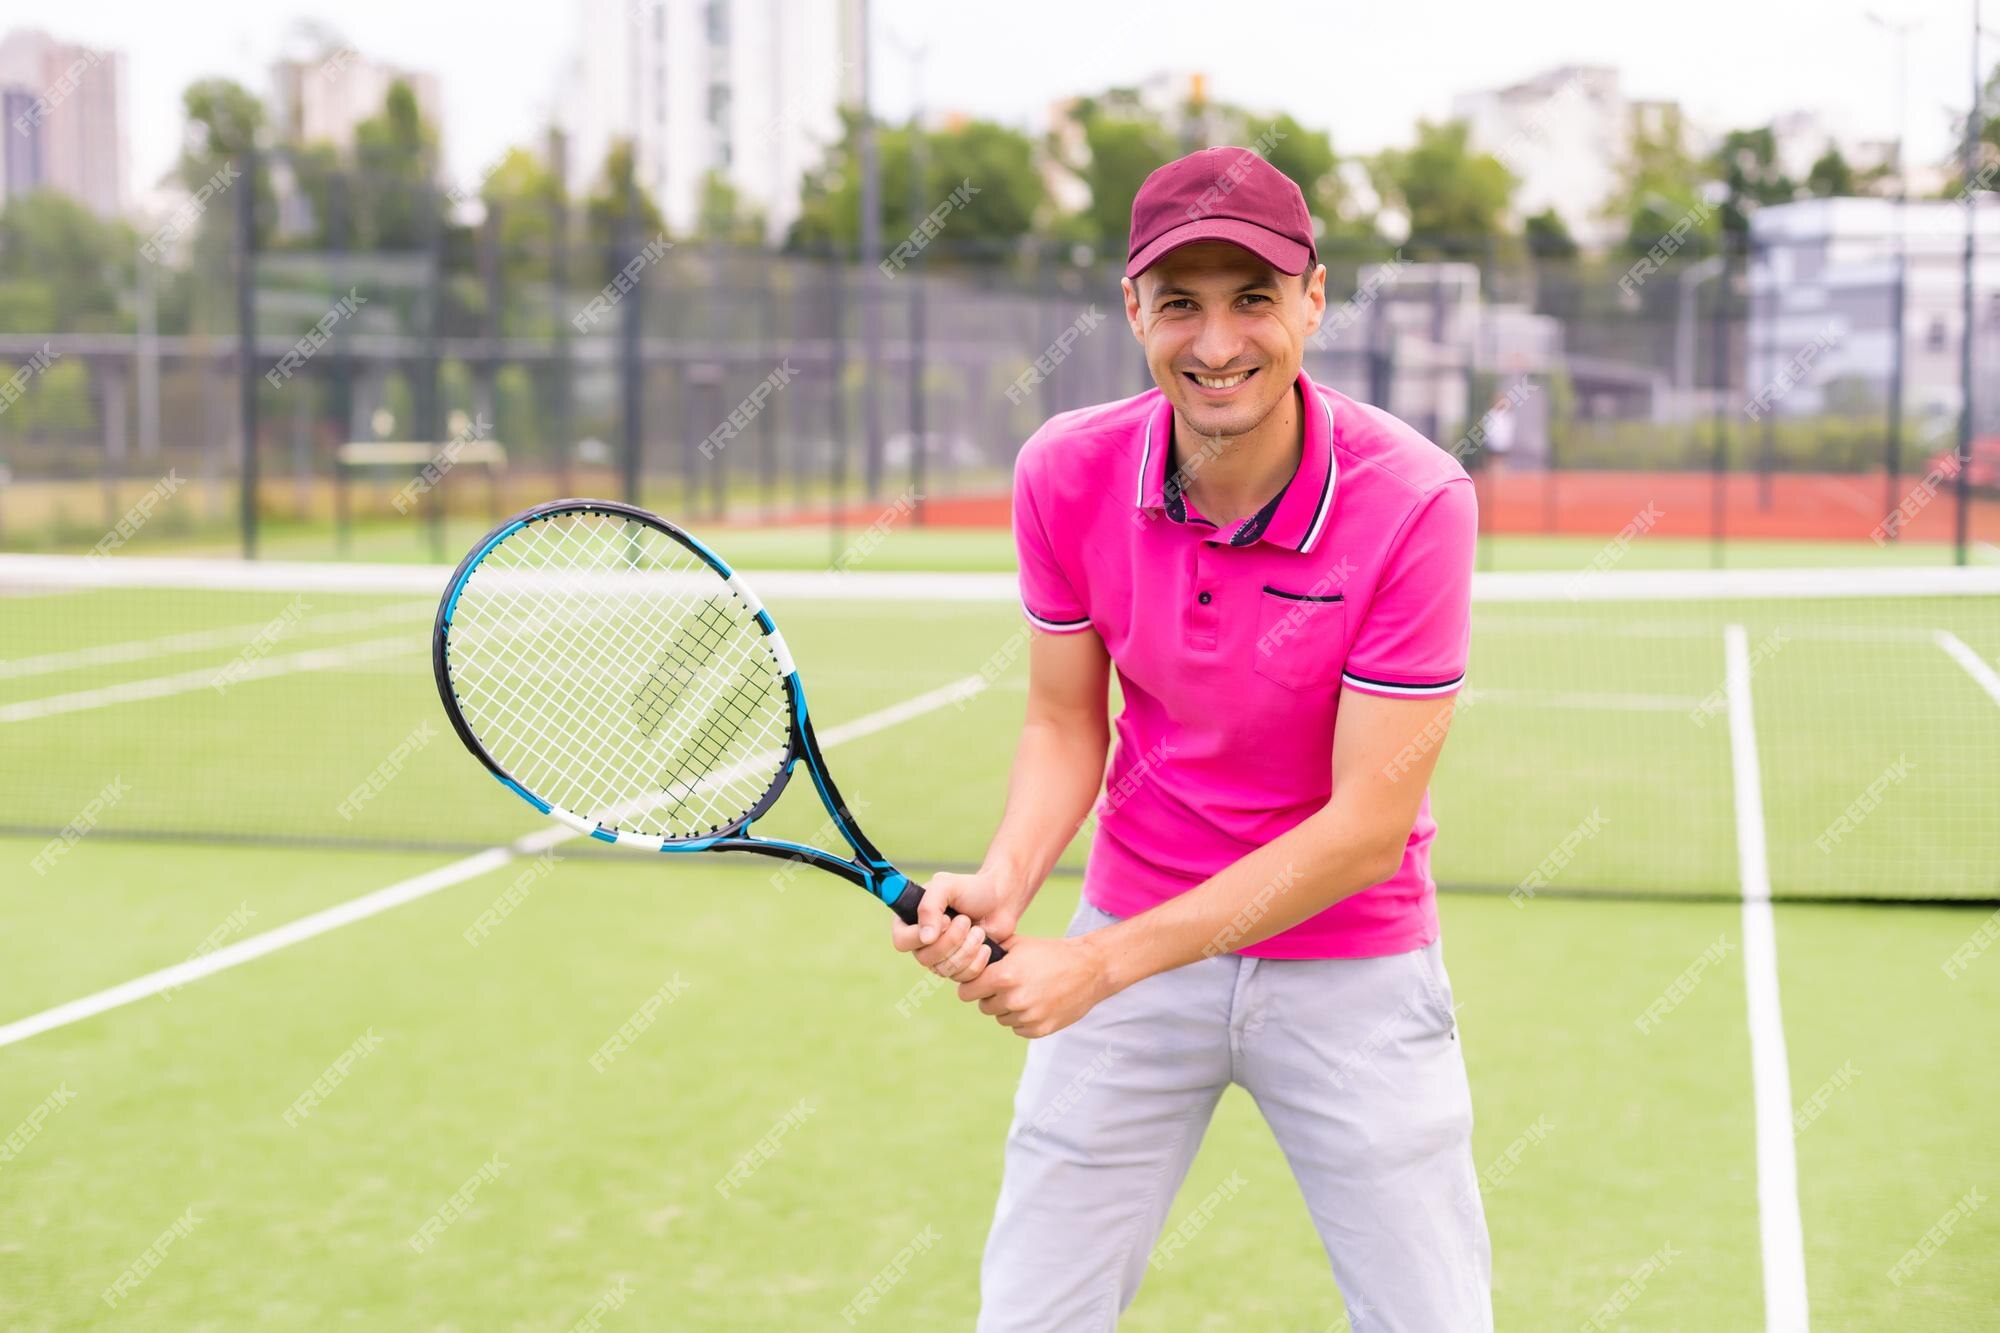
column 955, row 947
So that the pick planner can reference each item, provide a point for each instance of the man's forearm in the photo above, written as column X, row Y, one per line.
column 1056, row 776
column 1296, row 875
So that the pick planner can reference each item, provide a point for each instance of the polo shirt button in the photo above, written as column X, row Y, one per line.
column 1205, row 599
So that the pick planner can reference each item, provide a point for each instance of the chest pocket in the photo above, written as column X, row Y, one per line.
column 1299, row 638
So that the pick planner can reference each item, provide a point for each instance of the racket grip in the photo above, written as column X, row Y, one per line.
column 905, row 907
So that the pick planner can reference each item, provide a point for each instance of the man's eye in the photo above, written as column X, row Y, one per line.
column 1256, row 296
column 1178, row 303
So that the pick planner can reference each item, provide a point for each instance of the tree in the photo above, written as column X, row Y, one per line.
column 618, row 199
column 993, row 160
column 62, row 268
column 1121, row 144
column 395, row 161
column 724, row 216
column 1548, row 236
column 1746, row 165
column 1456, row 199
column 1831, row 176
column 1660, row 187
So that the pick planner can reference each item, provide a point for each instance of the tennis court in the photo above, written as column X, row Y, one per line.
column 483, row 1077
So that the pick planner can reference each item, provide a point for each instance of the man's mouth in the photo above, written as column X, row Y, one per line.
column 1219, row 383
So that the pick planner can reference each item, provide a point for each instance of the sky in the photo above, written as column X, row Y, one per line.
column 1366, row 72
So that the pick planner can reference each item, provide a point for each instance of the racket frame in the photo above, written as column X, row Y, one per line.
column 868, row 869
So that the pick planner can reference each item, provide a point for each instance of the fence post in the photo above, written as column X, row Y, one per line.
column 246, row 345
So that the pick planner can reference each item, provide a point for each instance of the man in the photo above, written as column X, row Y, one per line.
column 1281, row 577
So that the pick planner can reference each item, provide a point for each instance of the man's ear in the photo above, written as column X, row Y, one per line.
column 1130, row 288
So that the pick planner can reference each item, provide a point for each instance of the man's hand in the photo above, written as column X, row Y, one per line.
column 1042, row 985
column 955, row 947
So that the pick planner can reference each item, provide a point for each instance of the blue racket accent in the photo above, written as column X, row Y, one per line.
column 523, row 793
column 478, row 558
column 636, row 691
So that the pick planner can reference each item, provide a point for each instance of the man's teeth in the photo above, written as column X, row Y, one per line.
column 1226, row 382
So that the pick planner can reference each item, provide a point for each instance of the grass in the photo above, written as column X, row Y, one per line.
column 789, row 1011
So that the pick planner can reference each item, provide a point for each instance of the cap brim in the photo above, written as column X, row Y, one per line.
column 1280, row 252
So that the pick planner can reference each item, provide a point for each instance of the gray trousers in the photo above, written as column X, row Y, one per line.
column 1355, row 1065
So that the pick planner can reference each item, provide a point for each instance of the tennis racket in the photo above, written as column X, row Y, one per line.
column 618, row 676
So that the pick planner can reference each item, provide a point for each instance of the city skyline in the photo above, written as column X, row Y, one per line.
column 531, row 59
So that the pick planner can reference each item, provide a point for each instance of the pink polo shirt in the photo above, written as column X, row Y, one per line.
column 1233, row 647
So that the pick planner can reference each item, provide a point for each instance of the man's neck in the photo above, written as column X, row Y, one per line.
column 1230, row 478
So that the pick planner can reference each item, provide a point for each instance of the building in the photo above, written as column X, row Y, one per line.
column 747, row 89
column 1565, row 134
column 1823, row 292
column 322, row 100
column 65, row 126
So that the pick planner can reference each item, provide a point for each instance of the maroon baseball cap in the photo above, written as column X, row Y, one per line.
column 1221, row 194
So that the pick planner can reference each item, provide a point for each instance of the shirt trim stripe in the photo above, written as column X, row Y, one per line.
column 1054, row 626
column 1326, row 495
column 1400, row 687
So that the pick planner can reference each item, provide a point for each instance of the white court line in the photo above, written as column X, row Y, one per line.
column 1974, row 664
column 1785, row 1304
column 201, row 678
column 201, row 640
column 410, row 890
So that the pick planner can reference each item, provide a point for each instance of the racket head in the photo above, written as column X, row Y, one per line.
column 618, row 675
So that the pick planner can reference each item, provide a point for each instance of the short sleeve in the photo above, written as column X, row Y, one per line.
column 1418, row 628
column 1048, row 597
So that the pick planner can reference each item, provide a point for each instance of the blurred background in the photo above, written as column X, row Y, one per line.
column 271, row 292
column 304, row 1021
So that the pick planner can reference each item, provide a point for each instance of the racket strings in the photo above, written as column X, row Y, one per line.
column 611, row 672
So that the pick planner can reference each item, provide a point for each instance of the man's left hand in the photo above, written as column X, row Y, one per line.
column 1041, row 986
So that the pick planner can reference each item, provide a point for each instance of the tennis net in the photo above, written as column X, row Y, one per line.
column 1823, row 733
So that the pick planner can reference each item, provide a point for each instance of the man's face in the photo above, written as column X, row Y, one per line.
column 1224, row 332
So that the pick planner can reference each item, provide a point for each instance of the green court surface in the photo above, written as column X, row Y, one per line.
column 1589, row 846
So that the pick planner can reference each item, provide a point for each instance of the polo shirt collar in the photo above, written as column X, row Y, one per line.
column 1294, row 518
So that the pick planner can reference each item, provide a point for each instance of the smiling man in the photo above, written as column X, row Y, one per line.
column 1281, row 577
